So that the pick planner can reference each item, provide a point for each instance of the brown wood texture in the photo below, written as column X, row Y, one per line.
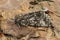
column 10, row 8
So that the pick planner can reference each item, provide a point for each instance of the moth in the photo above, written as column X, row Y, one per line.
column 34, row 19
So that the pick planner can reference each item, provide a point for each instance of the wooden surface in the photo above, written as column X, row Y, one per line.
column 8, row 10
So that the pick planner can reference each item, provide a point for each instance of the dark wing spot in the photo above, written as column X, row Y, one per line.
column 33, row 3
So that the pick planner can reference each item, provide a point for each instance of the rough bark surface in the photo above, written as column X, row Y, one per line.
column 10, row 31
